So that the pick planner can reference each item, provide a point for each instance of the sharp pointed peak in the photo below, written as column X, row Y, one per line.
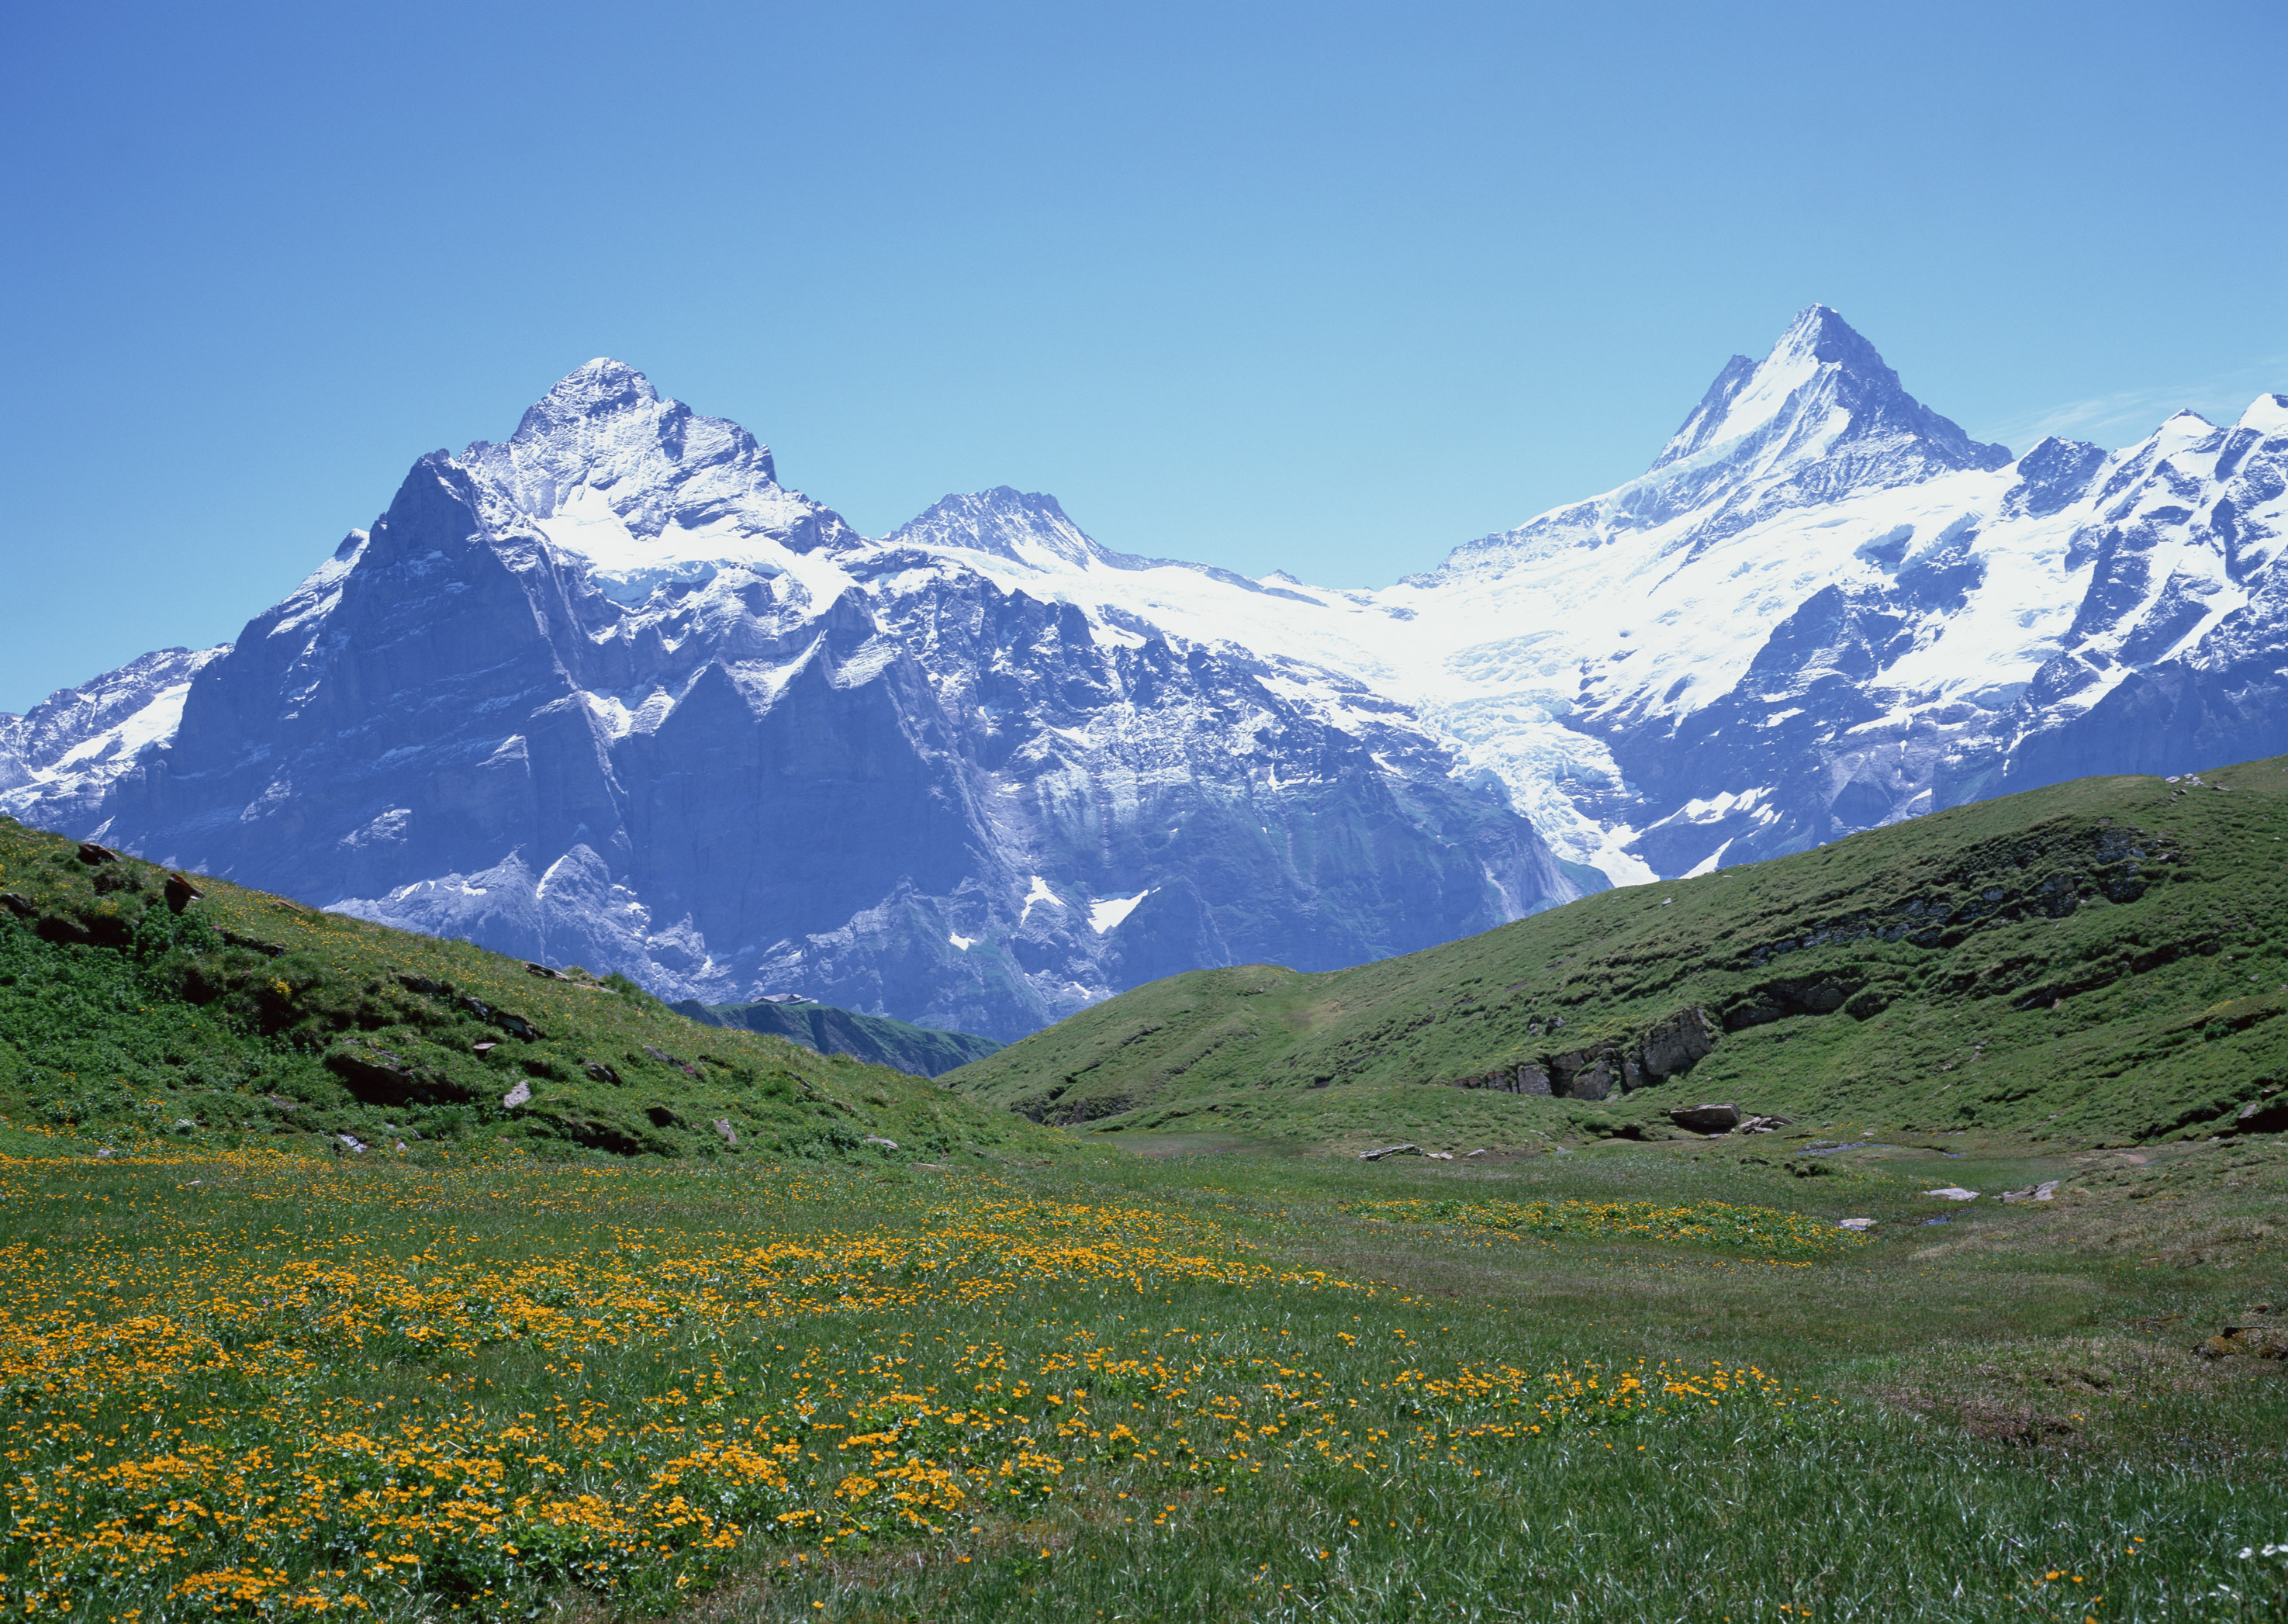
column 602, row 384
column 1820, row 356
column 1822, row 321
column 1819, row 334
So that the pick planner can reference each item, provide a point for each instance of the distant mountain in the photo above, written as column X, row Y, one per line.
column 876, row 1039
column 608, row 693
column 1826, row 608
column 62, row 755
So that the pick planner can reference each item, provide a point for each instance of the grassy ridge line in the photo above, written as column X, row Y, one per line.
column 246, row 1015
column 2103, row 958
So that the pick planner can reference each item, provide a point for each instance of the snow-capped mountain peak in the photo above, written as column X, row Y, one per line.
column 599, row 388
column 1024, row 526
column 66, row 751
column 603, row 427
column 986, row 769
column 1747, row 395
column 2267, row 415
column 645, row 490
column 1820, row 418
column 1822, row 385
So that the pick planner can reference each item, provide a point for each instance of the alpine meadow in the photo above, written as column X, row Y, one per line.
column 1028, row 815
column 355, row 1270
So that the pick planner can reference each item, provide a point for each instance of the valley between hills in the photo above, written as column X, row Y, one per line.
column 350, row 1269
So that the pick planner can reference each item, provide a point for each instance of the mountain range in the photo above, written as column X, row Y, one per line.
column 608, row 693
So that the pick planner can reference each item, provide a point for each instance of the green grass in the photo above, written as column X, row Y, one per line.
column 2106, row 959
column 162, row 1031
column 392, row 1381
column 576, row 1359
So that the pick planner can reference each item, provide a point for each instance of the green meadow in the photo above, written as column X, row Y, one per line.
column 347, row 1272
column 1619, row 1381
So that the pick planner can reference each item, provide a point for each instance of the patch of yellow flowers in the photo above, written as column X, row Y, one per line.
column 206, row 1415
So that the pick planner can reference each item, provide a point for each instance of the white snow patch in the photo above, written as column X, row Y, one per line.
column 154, row 722
column 962, row 942
column 1103, row 917
column 1722, row 806
column 1039, row 893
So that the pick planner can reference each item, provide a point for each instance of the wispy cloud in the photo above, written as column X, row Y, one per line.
column 2127, row 417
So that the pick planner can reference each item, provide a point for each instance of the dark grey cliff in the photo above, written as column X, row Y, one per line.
column 887, row 782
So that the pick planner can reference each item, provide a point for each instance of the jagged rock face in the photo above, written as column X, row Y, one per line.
column 1826, row 608
column 1678, row 1043
column 608, row 694
column 64, row 753
column 2174, row 660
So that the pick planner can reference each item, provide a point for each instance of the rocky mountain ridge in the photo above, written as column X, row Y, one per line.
column 608, row 693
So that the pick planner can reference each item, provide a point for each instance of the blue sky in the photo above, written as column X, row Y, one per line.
column 1318, row 287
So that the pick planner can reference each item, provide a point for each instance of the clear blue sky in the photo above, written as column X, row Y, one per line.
column 1322, row 287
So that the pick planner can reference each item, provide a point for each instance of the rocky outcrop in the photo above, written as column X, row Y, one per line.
column 2246, row 1342
column 1588, row 1074
column 1706, row 1119
column 2262, row 1116
column 1779, row 1000
column 1531, row 1078
column 1669, row 1048
column 1675, row 1045
column 379, row 1078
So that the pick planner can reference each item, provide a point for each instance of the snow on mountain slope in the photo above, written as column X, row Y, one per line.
column 606, row 692
column 62, row 754
column 647, row 492
column 1823, row 607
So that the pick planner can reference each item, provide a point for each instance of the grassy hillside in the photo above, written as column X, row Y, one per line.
column 923, row 1050
column 244, row 1016
column 2103, row 959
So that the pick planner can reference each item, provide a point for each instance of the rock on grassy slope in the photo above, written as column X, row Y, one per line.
column 2103, row 959
column 923, row 1050
column 131, row 1013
